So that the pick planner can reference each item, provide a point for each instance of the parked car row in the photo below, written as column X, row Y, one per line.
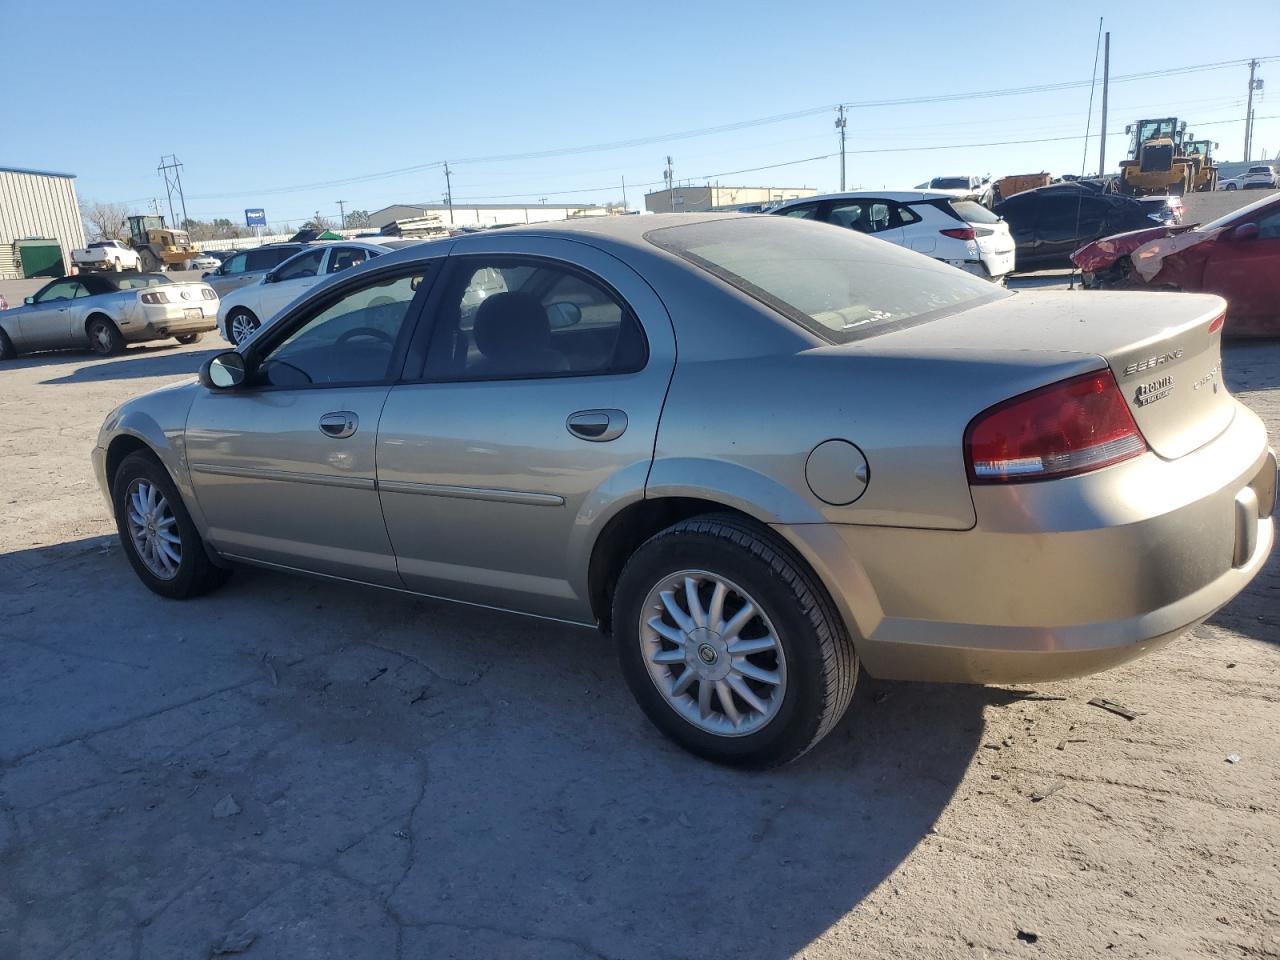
column 644, row 424
column 1261, row 176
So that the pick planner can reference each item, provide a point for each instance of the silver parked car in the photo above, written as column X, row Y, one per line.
column 104, row 312
column 755, row 449
column 249, row 266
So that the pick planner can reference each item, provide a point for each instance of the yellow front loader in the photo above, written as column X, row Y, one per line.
column 159, row 247
column 1156, row 162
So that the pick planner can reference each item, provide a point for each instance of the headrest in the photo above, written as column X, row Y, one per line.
column 511, row 324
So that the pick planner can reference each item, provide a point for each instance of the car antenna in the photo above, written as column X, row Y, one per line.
column 1084, row 159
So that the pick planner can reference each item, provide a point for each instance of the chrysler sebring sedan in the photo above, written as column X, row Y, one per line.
column 755, row 450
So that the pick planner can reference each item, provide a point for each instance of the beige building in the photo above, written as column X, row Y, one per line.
column 716, row 197
column 39, row 223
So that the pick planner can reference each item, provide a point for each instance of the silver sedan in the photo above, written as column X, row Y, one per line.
column 755, row 450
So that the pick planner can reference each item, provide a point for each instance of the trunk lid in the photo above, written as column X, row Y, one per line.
column 1158, row 345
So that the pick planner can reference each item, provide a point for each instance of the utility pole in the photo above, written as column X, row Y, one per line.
column 171, row 170
column 1106, row 82
column 342, row 213
column 624, row 194
column 448, row 193
column 841, row 123
column 1254, row 84
column 669, row 176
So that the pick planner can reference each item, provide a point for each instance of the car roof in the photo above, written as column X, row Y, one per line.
column 901, row 196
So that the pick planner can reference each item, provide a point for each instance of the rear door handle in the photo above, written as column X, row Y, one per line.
column 597, row 425
column 340, row 424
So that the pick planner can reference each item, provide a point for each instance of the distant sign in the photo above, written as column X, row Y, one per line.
column 255, row 217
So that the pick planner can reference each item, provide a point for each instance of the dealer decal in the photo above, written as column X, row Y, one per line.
column 1153, row 391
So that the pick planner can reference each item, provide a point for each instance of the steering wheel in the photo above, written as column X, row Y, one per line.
column 365, row 332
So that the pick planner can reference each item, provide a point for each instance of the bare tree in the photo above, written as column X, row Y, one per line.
column 318, row 223
column 104, row 221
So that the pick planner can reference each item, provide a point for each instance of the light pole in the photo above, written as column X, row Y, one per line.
column 841, row 123
column 342, row 213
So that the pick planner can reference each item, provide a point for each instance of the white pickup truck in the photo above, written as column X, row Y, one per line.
column 106, row 255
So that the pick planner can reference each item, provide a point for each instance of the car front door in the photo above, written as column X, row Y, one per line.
column 1247, row 273
column 289, row 281
column 47, row 322
column 283, row 466
column 536, row 412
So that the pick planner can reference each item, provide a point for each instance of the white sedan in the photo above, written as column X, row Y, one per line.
column 202, row 261
column 246, row 309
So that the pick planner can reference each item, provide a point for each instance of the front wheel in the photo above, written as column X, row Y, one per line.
column 159, row 538
column 104, row 337
column 730, row 645
column 1230, row 186
column 241, row 325
column 6, row 347
column 185, row 338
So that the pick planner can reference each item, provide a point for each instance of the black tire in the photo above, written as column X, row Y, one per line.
column 196, row 573
column 7, row 351
column 1229, row 186
column 189, row 337
column 247, row 316
column 821, row 665
column 104, row 336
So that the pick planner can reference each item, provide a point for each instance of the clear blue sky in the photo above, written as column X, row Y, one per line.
column 260, row 98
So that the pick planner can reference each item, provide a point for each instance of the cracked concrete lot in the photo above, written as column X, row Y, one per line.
column 412, row 779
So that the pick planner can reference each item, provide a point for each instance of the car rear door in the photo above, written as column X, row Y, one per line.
column 1247, row 274
column 534, row 414
column 283, row 467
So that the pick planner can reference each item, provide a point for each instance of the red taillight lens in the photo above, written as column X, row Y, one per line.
column 1217, row 324
column 960, row 233
column 1066, row 428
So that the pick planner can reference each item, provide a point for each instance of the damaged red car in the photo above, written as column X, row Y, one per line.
column 1236, row 256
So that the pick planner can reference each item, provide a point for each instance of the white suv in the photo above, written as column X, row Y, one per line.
column 1260, row 176
column 954, row 230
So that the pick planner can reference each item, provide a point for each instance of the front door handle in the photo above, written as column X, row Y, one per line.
column 597, row 425
column 340, row 424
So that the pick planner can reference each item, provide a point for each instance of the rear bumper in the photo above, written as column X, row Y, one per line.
column 159, row 322
column 1057, row 579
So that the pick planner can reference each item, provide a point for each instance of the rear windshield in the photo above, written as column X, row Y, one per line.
column 972, row 212
column 141, row 280
column 950, row 183
column 1259, row 169
column 835, row 283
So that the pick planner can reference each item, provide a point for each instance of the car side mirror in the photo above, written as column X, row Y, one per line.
column 28, row 300
column 563, row 314
column 224, row 371
column 1246, row 231
column 269, row 278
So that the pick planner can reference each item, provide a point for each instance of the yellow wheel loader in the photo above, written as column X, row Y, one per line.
column 159, row 247
column 1156, row 162
column 1205, row 173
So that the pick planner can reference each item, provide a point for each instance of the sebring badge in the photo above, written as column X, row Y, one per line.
column 1153, row 391
column 1150, row 362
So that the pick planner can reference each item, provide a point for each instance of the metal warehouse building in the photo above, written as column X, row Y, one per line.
column 485, row 214
column 39, row 223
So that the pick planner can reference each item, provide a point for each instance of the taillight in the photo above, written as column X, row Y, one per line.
column 158, row 296
column 1071, row 427
column 208, row 293
column 1217, row 324
column 960, row 233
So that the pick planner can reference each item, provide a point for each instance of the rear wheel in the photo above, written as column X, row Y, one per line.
column 241, row 324
column 159, row 538
column 104, row 337
column 730, row 645
column 189, row 337
column 117, row 263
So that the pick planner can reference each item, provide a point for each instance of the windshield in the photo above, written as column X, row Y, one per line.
column 950, row 183
column 837, row 284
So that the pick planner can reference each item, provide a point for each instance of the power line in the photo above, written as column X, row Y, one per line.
column 738, row 125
